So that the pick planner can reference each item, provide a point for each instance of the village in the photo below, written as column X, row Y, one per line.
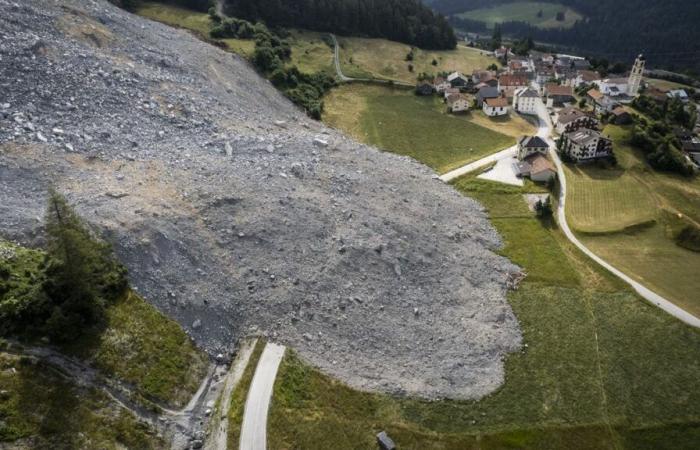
column 566, row 89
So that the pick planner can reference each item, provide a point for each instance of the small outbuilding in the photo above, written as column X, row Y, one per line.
column 385, row 442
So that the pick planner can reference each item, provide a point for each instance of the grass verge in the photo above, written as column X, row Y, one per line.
column 238, row 397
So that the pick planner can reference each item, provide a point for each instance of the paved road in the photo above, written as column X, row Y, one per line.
column 254, row 428
column 471, row 167
column 545, row 132
column 346, row 79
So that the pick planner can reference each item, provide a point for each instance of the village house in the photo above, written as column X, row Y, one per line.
column 450, row 91
column 424, row 88
column 544, row 73
column 537, row 167
column 619, row 116
column 508, row 84
column 558, row 95
column 528, row 145
column 481, row 76
column 526, row 100
column 457, row 80
column 600, row 102
column 458, row 103
column 589, row 76
column 680, row 94
column 613, row 87
column 494, row 107
column 484, row 93
column 503, row 53
column 441, row 84
column 572, row 119
column 585, row 145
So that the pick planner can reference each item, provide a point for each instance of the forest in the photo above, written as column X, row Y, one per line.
column 407, row 21
column 665, row 30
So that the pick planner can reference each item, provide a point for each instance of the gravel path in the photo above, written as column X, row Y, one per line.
column 485, row 161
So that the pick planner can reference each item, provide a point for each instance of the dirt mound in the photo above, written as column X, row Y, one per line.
column 236, row 214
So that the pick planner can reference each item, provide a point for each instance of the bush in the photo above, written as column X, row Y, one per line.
column 689, row 238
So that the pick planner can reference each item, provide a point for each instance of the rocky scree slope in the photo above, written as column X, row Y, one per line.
column 236, row 214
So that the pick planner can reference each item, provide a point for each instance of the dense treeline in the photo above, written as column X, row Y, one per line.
column 665, row 30
column 197, row 5
column 65, row 293
column 405, row 21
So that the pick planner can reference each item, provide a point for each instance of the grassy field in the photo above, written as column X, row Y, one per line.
column 40, row 409
column 401, row 122
column 601, row 368
column 665, row 84
column 525, row 12
column 379, row 58
column 310, row 53
column 238, row 397
column 653, row 206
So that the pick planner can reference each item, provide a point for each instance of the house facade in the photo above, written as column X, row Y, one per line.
column 572, row 119
column 457, row 80
column 558, row 95
column 525, row 101
column 537, row 167
column 441, row 84
column 529, row 145
column 494, row 107
column 585, row 145
column 458, row 103
column 601, row 103
column 508, row 84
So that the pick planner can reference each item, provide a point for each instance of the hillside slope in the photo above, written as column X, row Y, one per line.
column 236, row 215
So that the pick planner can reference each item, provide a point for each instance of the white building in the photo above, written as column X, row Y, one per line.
column 458, row 103
column 494, row 107
column 613, row 87
column 525, row 101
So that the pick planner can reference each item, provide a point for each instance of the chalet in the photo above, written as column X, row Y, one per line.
column 458, row 103
column 508, row 84
column 525, row 101
column 494, row 107
column 620, row 116
column 680, row 94
column 585, row 145
column 441, row 84
column 424, row 88
column 537, row 167
column 601, row 103
column 572, row 119
column 558, row 95
column 528, row 145
column 457, row 80
column 484, row 93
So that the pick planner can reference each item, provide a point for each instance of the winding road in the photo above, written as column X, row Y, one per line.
column 254, row 427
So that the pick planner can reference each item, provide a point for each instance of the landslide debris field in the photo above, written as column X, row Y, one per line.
column 236, row 214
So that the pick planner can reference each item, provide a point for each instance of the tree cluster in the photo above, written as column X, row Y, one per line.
column 78, row 278
column 407, row 21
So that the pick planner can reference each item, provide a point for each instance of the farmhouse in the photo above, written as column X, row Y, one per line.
column 484, row 93
column 482, row 76
column 441, row 84
column 450, row 91
column 502, row 53
column 495, row 106
column 528, row 145
column 525, row 101
column 457, row 80
column 537, row 167
column 558, row 95
column 585, row 145
column 508, row 84
column 572, row 119
column 458, row 103
column 601, row 103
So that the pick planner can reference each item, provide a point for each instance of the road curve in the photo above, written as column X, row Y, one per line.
column 545, row 132
column 254, row 427
column 345, row 79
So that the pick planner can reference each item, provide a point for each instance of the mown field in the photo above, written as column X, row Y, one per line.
column 630, row 215
column 600, row 369
column 379, row 58
column 666, row 84
column 399, row 121
column 525, row 12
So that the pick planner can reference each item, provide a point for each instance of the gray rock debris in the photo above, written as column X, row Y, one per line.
column 221, row 241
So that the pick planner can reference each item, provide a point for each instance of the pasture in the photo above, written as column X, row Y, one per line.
column 537, row 14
